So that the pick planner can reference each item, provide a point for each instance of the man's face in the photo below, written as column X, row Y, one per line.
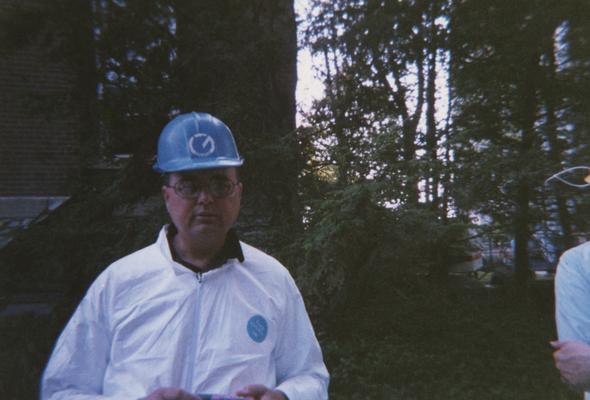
column 203, row 214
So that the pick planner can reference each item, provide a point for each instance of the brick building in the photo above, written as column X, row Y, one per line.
column 39, row 134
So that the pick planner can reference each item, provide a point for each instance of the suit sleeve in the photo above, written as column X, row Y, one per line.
column 572, row 296
column 301, row 373
column 77, row 365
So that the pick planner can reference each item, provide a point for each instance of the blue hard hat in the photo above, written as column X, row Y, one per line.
column 196, row 141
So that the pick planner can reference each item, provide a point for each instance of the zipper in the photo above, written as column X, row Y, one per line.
column 195, row 336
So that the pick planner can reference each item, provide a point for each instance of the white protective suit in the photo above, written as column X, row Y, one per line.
column 572, row 296
column 148, row 322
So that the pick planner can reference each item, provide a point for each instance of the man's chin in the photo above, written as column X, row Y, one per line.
column 206, row 229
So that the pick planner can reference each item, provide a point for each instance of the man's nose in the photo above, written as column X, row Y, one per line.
column 204, row 196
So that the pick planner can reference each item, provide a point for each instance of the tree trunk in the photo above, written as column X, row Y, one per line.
column 525, row 118
column 431, row 133
column 550, row 96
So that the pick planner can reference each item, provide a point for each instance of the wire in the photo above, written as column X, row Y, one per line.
column 558, row 176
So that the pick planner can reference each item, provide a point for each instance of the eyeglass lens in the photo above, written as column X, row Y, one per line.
column 216, row 187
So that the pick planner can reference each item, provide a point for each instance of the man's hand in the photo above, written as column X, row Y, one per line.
column 573, row 361
column 171, row 394
column 260, row 392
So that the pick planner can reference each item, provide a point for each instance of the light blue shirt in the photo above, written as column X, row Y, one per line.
column 572, row 296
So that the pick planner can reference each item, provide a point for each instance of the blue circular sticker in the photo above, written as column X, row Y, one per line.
column 257, row 328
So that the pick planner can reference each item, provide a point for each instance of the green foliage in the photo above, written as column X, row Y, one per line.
column 419, row 242
column 343, row 231
column 135, row 48
column 415, row 344
column 353, row 246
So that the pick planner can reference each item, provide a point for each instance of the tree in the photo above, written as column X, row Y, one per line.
column 381, row 66
column 507, row 116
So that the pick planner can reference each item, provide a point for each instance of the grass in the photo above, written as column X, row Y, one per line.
column 425, row 346
column 409, row 344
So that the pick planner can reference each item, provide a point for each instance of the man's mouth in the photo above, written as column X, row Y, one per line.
column 205, row 216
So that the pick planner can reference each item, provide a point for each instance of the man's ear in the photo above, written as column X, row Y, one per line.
column 165, row 194
column 240, row 188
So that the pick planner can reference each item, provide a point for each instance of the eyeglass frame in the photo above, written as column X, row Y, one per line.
column 201, row 187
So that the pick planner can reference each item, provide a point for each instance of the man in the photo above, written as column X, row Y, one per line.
column 572, row 307
column 198, row 311
column 572, row 316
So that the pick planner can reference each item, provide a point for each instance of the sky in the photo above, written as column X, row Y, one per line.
column 309, row 87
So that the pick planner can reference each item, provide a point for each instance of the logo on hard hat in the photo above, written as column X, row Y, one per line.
column 201, row 145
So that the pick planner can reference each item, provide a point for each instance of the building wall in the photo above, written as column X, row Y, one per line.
column 39, row 134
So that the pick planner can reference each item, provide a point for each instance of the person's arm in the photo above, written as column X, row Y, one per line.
column 301, row 373
column 573, row 361
column 76, row 368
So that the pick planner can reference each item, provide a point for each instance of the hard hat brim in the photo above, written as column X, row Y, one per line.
column 184, row 166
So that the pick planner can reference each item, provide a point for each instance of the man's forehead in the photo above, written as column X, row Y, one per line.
column 206, row 173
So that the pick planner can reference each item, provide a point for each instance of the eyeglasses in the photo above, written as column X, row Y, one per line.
column 218, row 188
